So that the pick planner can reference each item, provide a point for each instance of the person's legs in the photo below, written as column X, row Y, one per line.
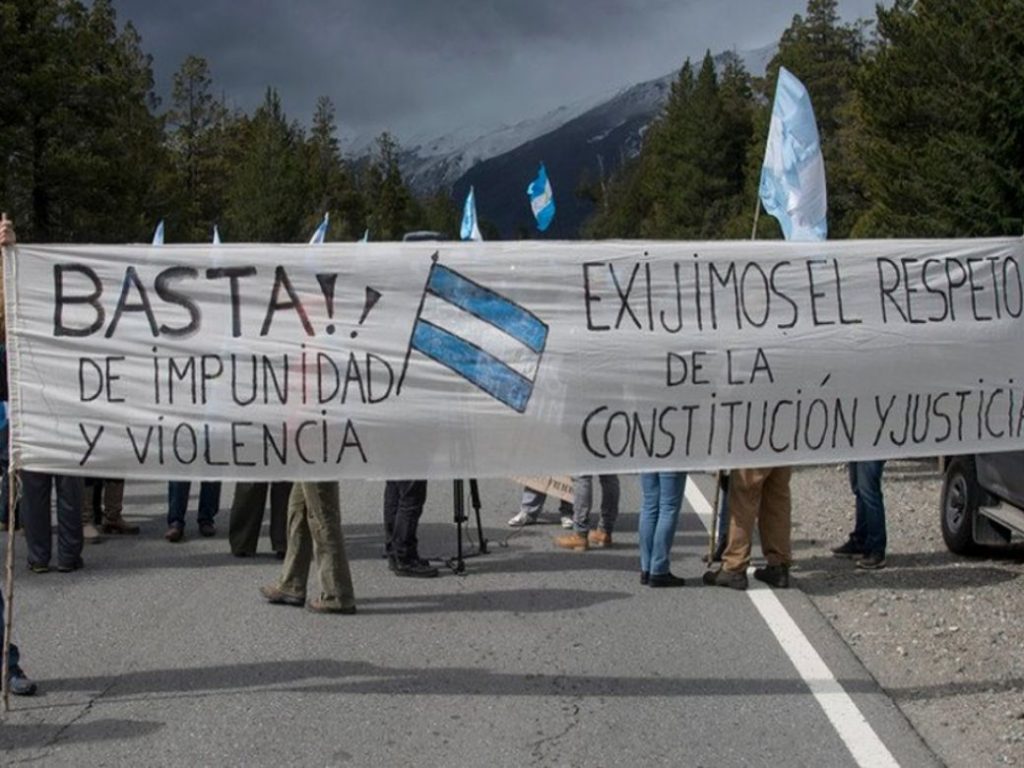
column 412, row 495
column 279, row 516
column 530, row 507
column 670, row 499
column 324, row 515
column 650, row 483
column 113, row 505
column 177, row 503
column 722, row 533
column 209, row 502
column 774, row 517
column 90, row 533
column 610, row 490
column 35, row 503
column 246, row 518
column 744, row 502
column 870, row 505
column 391, row 493
column 69, row 521
column 295, row 571
column 583, row 495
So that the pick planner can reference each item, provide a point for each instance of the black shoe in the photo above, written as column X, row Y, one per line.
column 19, row 683
column 207, row 529
column 74, row 565
column 645, row 577
column 773, row 575
column 724, row 578
column 849, row 548
column 416, row 569
column 873, row 562
column 666, row 580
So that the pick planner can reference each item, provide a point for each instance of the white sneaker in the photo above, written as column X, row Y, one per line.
column 567, row 523
column 522, row 519
column 90, row 533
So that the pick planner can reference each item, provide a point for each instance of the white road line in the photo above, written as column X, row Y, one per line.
column 855, row 731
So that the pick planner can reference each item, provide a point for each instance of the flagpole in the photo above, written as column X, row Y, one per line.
column 757, row 213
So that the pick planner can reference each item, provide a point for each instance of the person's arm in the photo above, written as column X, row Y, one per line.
column 7, row 236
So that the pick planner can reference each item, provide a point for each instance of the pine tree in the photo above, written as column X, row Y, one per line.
column 943, row 131
column 268, row 190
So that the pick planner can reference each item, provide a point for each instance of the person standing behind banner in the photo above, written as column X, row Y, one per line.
column 867, row 542
column 177, row 504
column 582, row 537
column 314, row 530
column 659, row 516
column 110, row 495
column 761, row 495
column 403, row 507
column 247, row 517
column 532, row 505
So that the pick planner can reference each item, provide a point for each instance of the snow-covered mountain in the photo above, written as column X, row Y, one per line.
column 585, row 138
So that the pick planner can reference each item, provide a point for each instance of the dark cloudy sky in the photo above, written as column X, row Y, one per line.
column 424, row 67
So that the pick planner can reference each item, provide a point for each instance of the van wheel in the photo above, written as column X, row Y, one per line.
column 961, row 496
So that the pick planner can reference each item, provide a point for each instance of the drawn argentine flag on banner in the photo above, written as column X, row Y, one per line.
column 488, row 340
column 542, row 199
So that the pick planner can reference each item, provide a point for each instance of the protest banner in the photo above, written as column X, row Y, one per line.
column 432, row 360
column 560, row 487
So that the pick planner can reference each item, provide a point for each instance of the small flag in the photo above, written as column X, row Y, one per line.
column 158, row 235
column 483, row 337
column 793, row 175
column 216, row 235
column 321, row 231
column 366, row 237
column 542, row 200
column 470, row 230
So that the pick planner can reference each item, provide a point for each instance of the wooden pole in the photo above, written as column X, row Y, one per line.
column 12, row 499
column 12, row 482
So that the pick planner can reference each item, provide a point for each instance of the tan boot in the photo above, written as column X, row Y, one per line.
column 600, row 539
column 113, row 501
column 574, row 541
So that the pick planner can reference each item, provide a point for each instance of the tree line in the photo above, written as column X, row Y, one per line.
column 918, row 112
column 88, row 155
column 919, row 115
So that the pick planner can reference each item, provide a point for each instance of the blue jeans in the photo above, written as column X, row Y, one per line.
column 177, row 502
column 14, row 658
column 659, row 514
column 869, row 526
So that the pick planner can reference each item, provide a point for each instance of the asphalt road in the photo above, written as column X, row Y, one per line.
column 161, row 654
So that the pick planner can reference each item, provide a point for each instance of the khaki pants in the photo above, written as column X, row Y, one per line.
column 314, row 529
column 763, row 495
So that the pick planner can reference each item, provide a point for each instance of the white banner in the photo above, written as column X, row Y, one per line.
column 430, row 360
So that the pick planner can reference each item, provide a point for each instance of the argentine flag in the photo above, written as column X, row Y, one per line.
column 483, row 337
column 470, row 230
column 321, row 231
column 793, row 175
column 158, row 235
column 542, row 200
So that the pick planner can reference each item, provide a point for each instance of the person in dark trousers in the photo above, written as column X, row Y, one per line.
column 18, row 681
column 177, row 504
column 247, row 517
column 867, row 542
column 403, row 507
column 36, row 492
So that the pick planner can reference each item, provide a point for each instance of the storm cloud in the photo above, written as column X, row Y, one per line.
column 421, row 69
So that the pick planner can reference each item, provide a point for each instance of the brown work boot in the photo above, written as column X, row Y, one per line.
column 273, row 594
column 574, row 541
column 120, row 526
column 600, row 539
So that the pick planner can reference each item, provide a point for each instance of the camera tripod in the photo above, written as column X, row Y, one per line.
column 457, row 563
